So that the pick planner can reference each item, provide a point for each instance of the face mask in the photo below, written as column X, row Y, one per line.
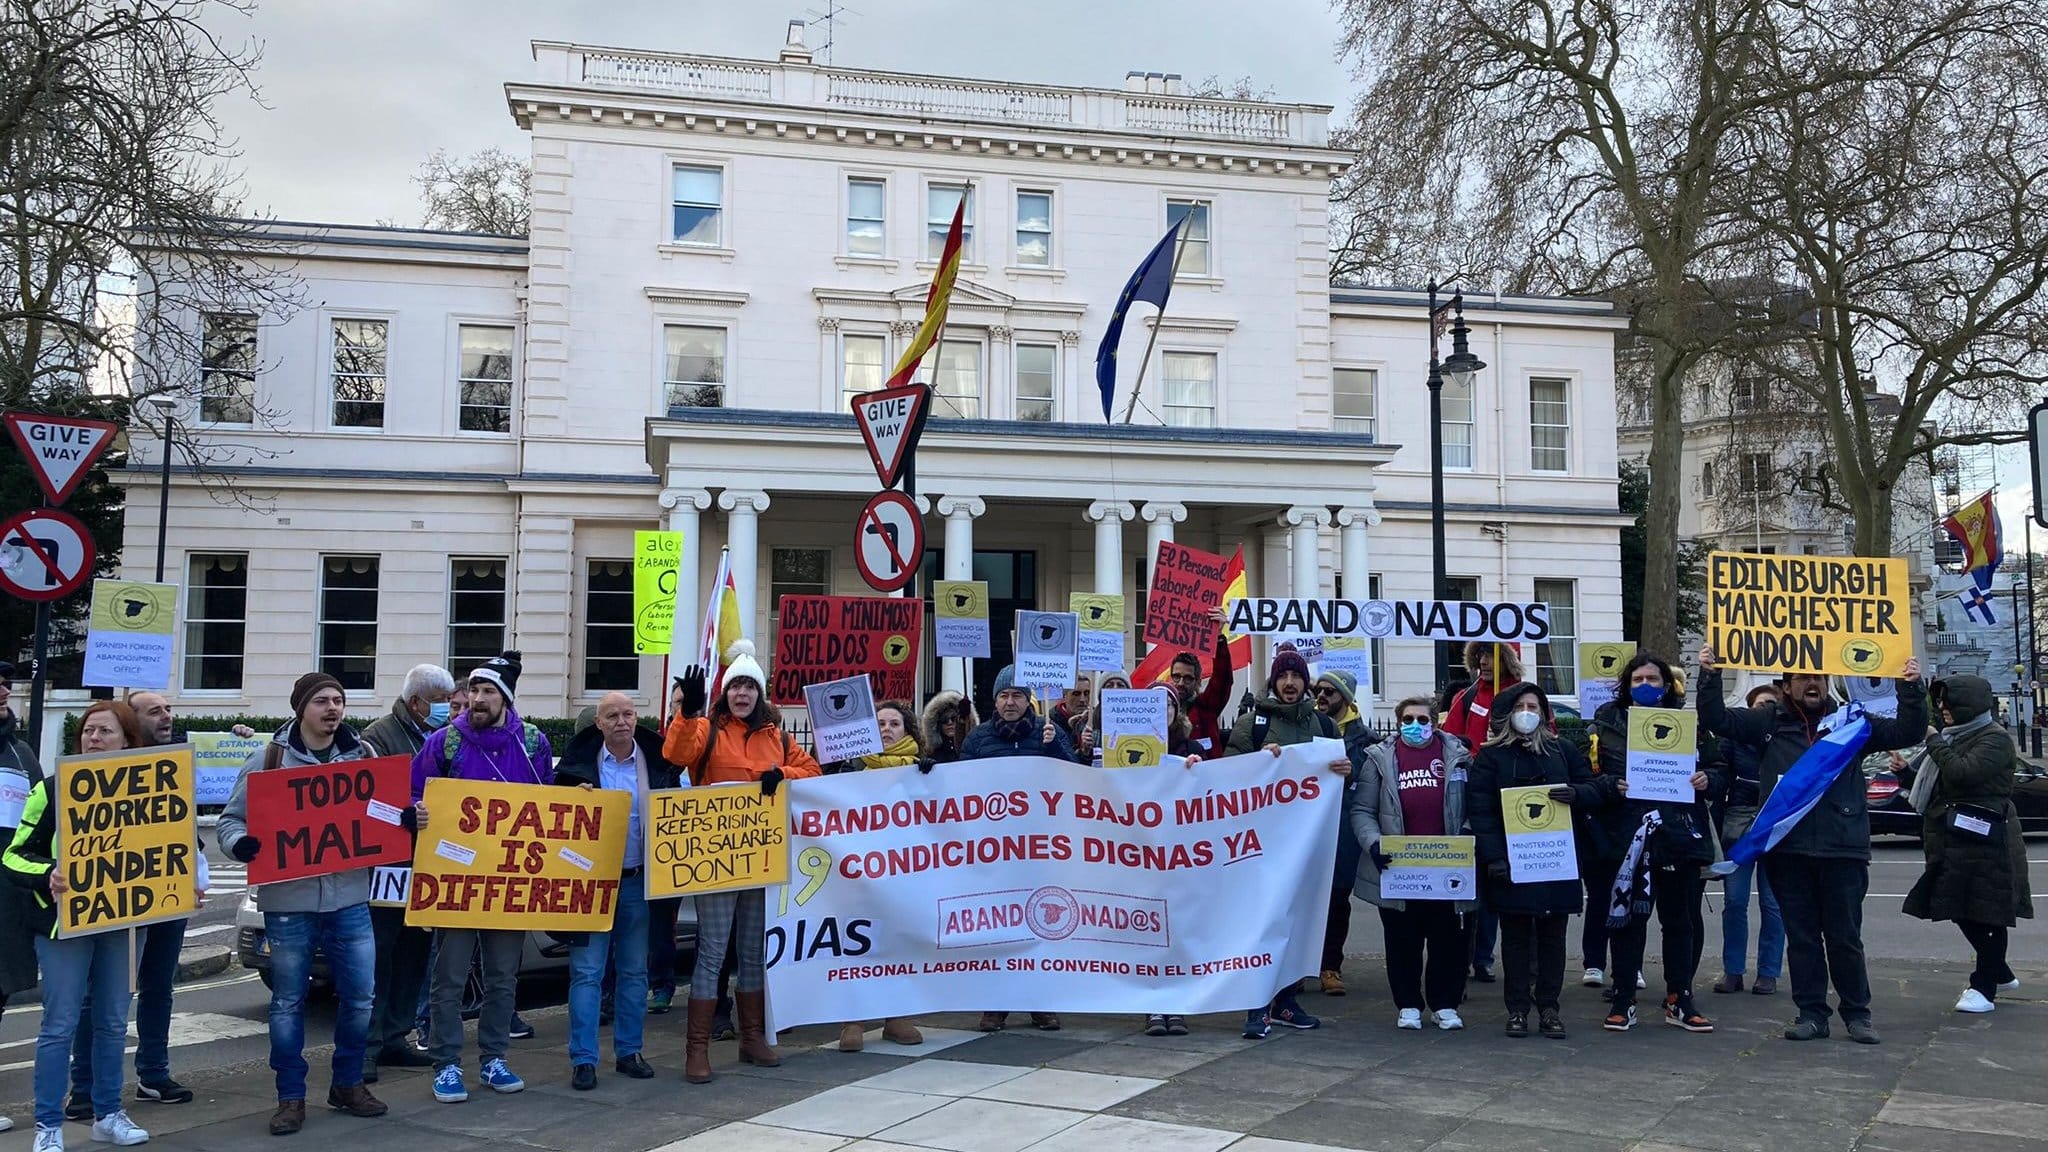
column 1648, row 695
column 1525, row 722
column 437, row 714
column 1415, row 733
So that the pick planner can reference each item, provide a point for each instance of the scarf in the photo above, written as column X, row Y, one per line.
column 902, row 751
column 1921, row 794
column 1026, row 727
column 1634, row 875
column 1801, row 785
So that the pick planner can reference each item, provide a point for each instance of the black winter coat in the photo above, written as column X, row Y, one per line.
column 578, row 762
column 18, row 910
column 1970, row 877
column 1515, row 765
column 1619, row 816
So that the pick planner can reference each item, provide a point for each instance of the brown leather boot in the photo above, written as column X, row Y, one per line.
column 289, row 1117
column 752, row 1009
column 901, row 1030
column 852, row 1037
column 356, row 1101
column 697, row 1036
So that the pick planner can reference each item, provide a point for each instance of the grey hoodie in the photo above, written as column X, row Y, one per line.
column 330, row 893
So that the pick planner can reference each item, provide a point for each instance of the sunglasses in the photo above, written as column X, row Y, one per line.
column 1326, row 690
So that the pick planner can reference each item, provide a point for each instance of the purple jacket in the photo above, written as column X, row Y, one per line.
column 494, row 754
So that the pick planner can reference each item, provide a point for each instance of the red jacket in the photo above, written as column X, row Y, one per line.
column 1205, row 714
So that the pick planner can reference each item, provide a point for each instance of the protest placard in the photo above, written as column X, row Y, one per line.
column 318, row 819
column 391, row 886
column 1600, row 665
column 1381, row 619
column 820, row 638
column 1663, row 754
column 716, row 839
column 1834, row 615
column 130, row 635
column 217, row 758
column 1429, row 868
column 1539, row 832
column 960, row 618
column 1133, row 727
column 1187, row 584
column 527, row 856
column 1879, row 695
column 1351, row 654
column 1048, row 650
column 843, row 719
column 657, row 558
column 126, row 840
column 1102, row 630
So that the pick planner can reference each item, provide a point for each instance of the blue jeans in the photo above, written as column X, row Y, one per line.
column 156, row 974
column 1485, row 930
column 72, row 969
column 350, row 943
column 626, row 944
column 1770, row 935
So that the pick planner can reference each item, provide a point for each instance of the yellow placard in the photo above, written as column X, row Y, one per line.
column 1532, row 810
column 960, row 599
column 716, row 839
column 125, row 839
column 1604, row 660
column 1098, row 612
column 1664, row 731
column 524, row 856
column 134, row 606
column 1134, row 750
column 1831, row 615
column 657, row 558
column 1430, row 851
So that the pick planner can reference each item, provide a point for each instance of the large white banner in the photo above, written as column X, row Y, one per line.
column 1028, row 884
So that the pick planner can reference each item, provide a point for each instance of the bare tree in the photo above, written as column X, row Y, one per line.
column 1213, row 87
column 486, row 192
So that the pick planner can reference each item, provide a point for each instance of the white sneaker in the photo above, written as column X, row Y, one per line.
column 1974, row 1001
column 1449, row 1020
column 119, row 1130
column 1409, row 1018
column 1593, row 978
column 2012, row 985
column 1640, row 982
column 6, row 1123
column 49, row 1139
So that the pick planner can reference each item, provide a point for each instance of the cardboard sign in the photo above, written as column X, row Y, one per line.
column 843, row 719
column 821, row 638
column 318, row 819
column 1351, row 654
column 1134, row 728
column 130, row 635
column 1539, row 833
column 1381, row 619
column 217, row 758
column 1600, row 665
column 529, row 856
column 1048, row 650
column 716, row 839
column 1429, row 868
column 391, row 886
column 1834, row 615
column 125, row 838
column 657, row 558
column 1878, row 695
column 960, row 618
column 1663, row 754
column 1102, row 630
column 1187, row 584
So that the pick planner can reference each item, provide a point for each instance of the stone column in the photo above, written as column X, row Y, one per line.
column 1305, row 523
column 958, row 564
column 1109, row 517
column 743, row 508
column 1160, row 516
column 1354, row 552
column 684, row 507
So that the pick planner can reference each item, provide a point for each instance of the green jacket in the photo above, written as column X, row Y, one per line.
column 1296, row 723
column 30, row 858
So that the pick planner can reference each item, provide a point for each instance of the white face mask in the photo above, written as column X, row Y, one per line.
column 1525, row 722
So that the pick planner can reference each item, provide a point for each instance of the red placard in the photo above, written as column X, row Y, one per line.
column 318, row 819
column 820, row 638
column 1187, row 583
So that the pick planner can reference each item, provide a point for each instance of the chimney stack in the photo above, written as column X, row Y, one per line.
column 793, row 49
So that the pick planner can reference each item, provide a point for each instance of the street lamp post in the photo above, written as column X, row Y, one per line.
column 164, row 405
column 1459, row 370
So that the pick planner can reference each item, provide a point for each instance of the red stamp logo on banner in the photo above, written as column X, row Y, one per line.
column 319, row 819
column 1187, row 583
column 820, row 638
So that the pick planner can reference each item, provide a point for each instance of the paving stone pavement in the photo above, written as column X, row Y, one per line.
column 1941, row 1082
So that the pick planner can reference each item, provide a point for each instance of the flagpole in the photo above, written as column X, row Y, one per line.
column 1180, row 245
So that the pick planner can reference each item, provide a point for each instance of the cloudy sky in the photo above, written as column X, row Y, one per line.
column 355, row 94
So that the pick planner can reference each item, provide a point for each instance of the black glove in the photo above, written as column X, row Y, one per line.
column 1380, row 859
column 924, row 764
column 1496, row 870
column 692, row 681
column 1563, row 794
column 245, row 849
column 770, row 781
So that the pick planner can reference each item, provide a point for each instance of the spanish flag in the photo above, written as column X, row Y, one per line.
column 935, row 303
column 721, row 622
column 1975, row 526
column 1154, row 667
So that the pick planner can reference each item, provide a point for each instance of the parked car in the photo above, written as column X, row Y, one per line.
column 1891, row 815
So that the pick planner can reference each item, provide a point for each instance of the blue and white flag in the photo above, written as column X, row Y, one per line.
column 1801, row 787
column 1977, row 597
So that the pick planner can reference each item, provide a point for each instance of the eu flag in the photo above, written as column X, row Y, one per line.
column 1152, row 283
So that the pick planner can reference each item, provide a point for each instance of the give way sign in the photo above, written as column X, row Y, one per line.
column 890, row 422
column 59, row 449
column 44, row 554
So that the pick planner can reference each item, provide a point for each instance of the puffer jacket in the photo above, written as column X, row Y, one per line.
column 1516, row 765
column 943, row 705
column 1616, row 819
column 737, row 754
column 1972, row 877
column 329, row 893
column 1839, row 826
column 1296, row 723
column 1375, row 810
column 1025, row 736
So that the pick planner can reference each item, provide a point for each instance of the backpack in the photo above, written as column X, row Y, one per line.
column 451, row 743
column 1262, row 724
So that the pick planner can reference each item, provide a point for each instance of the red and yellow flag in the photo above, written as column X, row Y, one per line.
column 1154, row 667
column 1975, row 526
column 935, row 302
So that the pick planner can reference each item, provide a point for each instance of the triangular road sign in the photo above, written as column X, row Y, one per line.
column 59, row 448
column 890, row 421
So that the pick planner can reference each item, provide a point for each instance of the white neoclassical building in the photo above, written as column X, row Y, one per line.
column 721, row 251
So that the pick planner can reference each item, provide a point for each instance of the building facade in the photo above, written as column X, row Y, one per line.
column 459, row 434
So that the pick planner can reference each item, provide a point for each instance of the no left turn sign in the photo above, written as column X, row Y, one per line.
column 889, row 541
column 44, row 554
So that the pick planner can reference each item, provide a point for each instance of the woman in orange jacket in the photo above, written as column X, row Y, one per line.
column 740, row 742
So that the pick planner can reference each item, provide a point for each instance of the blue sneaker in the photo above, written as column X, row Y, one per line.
column 500, row 1078
column 1255, row 1024
column 1287, row 1012
column 448, row 1085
